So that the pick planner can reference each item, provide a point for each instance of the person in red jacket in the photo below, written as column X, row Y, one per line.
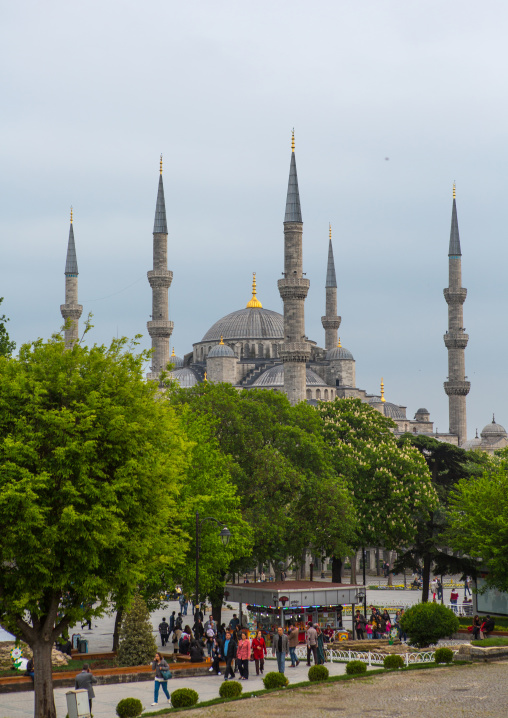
column 259, row 651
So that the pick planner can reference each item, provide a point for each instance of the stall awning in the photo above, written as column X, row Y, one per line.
column 295, row 593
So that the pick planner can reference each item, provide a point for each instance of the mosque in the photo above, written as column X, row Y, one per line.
column 258, row 348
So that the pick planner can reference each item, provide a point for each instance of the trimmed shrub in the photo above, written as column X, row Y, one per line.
column 275, row 680
column 183, row 698
column 129, row 708
column 393, row 662
column 443, row 655
column 230, row 689
column 137, row 644
column 318, row 673
column 356, row 668
column 426, row 623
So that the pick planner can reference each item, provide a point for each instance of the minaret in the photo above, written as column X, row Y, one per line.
column 160, row 328
column 295, row 351
column 71, row 310
column 331, row 322
column 455, row 338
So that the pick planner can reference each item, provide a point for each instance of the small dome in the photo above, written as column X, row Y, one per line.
column 472, row 444
column 176, row 361
column 387, row 408
column 339, row 353
column 220, row 350
column 185, row 377
column 275, row 377
column 422, row 411
column 493, row 430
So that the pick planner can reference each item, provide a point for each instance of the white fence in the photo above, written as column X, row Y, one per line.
column 371, row 659
column 460, row 609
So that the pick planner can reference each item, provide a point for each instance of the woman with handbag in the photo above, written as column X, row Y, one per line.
column 259, row 651
column 243, row 656
column 162, row 676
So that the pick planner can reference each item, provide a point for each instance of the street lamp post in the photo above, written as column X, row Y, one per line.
column 225, row 535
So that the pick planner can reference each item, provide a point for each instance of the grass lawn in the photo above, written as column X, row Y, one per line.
column 488, row 642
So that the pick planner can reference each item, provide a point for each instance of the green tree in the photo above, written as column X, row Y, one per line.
column 137, row 643
column 478, row 521
column 447, row 465
column 91, row 460
column 390, row 483
column 426, row 623
column 6, row 345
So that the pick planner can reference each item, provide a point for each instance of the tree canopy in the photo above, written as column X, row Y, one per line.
column 91, row 462
column 6, row 345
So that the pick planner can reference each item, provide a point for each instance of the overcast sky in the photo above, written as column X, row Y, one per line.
column 391, row 102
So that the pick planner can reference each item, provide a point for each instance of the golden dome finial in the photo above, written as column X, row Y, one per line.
column 206, row 378
column 71, row 213
column 339, row 344
column 293, row 140
column 454, row 190
column 221, row 339
column 382, row 390
column 254, row 302
column 173, row 352
column 161, row 163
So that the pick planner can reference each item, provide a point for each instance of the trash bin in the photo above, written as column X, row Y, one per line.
column 83, row 645
column 78, row 705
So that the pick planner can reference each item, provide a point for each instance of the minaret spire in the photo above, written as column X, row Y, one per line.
column 293, row 289
column 160, row 278
column 456, row 339
column 330, row 322
column 71, row 310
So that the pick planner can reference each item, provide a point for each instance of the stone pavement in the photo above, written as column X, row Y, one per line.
column 20, row 705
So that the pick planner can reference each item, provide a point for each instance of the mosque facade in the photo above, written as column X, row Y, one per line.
column 258, row 348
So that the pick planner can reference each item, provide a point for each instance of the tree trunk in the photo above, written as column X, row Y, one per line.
column 217, row 612
column 426, row 578
column 388, row 559
column 303, row 569
column 336, row 569
column 352, row 580
column 378, row 568
column 43, row 681
column 116, row 632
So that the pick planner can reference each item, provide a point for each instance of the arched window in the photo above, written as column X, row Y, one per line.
column 326, row 394
column 309, row 394
column 318, row 394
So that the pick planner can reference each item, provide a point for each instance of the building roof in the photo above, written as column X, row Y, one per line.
column 339, row 353
column 175, row 360
column 388, row 409
column 493, row 430
column 331, row 279
column 274, row 377
column 185, row 377
column 71, row 264
column 248, row 323
column 160, row 225
column 220, row 350
column 293, row 210
column 298, row 593
column 454, row 250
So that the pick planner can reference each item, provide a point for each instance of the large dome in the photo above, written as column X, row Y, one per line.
column 248, row 323
column 493, row 430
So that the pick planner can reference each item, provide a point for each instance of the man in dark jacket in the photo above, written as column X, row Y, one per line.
column 228, row 652
column 488, row 626
column 85, row 680
column 164, row 632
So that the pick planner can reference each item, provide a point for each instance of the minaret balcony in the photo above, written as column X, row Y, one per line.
column 160, row 328
column 455, row 296
column 456, row 341
column 71, row 311
column 293, row 287
column 160, row 278
column 294, row 352
column 331, row 322
column 457, row 388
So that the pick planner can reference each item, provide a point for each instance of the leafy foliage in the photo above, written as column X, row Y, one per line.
column 443, row 655
column 356, row 668
column 274, row 679
column 6, row 345
column 184, row 698
column 230, row 689
column 318, row 673
column 478, row 520
column 390, row 484
column 137, row 644
column 426, row 623
column 393, row 662
column 129, row 708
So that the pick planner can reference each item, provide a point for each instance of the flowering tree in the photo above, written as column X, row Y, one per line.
column 390, row 484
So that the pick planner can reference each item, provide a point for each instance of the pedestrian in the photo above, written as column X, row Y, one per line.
column 293, row 644
column 439, row 590
column 197, row 655
column 320, row 645
column 360, row 622
column 86, row 680
column 243, row 656
column 198, row 614
column 172, row 622
column 466, row 586
column 475, row 628
column 234, row 621
column 29, row 671
column 433, row 588
column 339, row 616
column 228, row 650
column 185, row 605
column 263, row 577
column 164, row 631
column 280, row 648
column 181, row 601
column 311, row 641
column 454, row 597
column 198, row 629
column 162, row 675
column 259, row 650
column 216, row 656
column 368, row 629
column 210, row 632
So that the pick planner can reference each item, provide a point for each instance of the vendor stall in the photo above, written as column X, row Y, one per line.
column 298, row 602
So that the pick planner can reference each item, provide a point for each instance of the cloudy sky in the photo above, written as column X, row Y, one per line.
column 391, row 102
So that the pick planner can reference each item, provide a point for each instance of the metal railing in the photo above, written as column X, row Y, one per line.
column 369, row 657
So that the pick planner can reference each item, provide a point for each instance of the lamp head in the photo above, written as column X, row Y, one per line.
column 225, row 535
